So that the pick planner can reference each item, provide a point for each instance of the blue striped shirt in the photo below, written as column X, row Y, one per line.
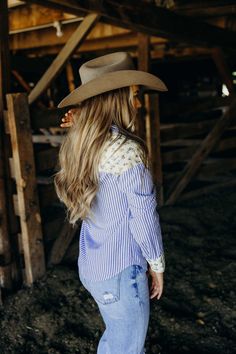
column 124, row 228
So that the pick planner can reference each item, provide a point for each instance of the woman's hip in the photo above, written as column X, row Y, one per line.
column 126, row 290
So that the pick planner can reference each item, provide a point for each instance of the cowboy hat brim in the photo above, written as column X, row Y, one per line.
column 111, row 81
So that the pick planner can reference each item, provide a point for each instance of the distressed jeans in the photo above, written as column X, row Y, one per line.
column 124, row 304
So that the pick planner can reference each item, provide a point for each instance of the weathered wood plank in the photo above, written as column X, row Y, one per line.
column 5, row 277
column 21, row 81
column 149, row 19
column 46, row 159
column 143, row 65
column 48, row 43
column 5, row 183
column 182, row 155
column 61, row 244
column 4, row 53
column 214, row 166
column 52, row 228
column 202, row 152
column 70, row 76
column 30, row 220
column 180, row 142
column 207, row 190
column 45, row 118
column 153, row 132
column 83, row 29
column 47, row 195
column 206, row 8
column 185, row 130
column 223, row 68
column 209, row 168
column 16, row 204
column 200, row 105
column 48, row 139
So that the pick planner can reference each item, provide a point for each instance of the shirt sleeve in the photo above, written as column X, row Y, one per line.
column 136, row 182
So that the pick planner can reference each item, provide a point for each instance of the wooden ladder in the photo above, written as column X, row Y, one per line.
column 26, row 203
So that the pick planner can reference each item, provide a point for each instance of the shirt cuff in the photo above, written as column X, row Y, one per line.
column 158, row 264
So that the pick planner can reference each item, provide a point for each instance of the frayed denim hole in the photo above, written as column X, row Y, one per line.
column 109, row 298
column 110, row 294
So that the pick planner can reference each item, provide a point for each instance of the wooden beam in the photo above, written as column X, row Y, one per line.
column 70, row 76
column 25, row 85
column 5, row 246
column 195, row 106
column 217, row 165
column 61, row 244
column 53, row 140
column 210, row 168
column 75, row 40
column 153, row 131
column 107, row 45
column 143, row 51
column 206, row 8
column 46, row 159
column 208, row 189
column 4, row 54
column 202, row 152
column 47, row 195
column 5, row 277
column 26, row 185
column 45, row 118
column 150, row 19
column 143, row 57
column 43, row 37
column 223, row 68
column 185, row 153
column 33, row 15
column 21, row 81
column 185, row 130
column 52, row 228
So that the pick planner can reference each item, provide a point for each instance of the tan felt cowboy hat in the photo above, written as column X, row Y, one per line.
column 109, row 72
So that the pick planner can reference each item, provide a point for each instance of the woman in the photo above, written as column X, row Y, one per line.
column 104, row 179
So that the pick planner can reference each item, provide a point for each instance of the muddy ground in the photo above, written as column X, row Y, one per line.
column 196, row 314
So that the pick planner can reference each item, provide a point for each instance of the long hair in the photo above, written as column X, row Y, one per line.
column 77, row 179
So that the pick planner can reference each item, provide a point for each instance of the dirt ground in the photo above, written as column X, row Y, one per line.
column 196, row 314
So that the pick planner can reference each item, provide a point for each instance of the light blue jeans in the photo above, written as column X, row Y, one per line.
column 124, row 304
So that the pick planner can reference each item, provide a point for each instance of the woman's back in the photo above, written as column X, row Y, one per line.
column 124, row 227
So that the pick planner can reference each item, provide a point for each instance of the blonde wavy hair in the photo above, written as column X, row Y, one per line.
column 77, row 179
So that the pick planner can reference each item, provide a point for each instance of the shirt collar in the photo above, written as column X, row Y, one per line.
column 114, row 127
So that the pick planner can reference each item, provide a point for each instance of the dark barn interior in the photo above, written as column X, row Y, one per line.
column 190, row 132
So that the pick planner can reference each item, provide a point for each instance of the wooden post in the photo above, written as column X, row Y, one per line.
column 70, row 76
column 153, row 140
column 61, row 244
column 76, row 39
column 21, row 81
column 149, row 123
column 143, row 64
column 202, row 152
column 5, row 247
column 223, row 68
column 26, row 185
column 153, row 20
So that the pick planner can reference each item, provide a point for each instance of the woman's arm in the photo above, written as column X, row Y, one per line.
column 136, row 182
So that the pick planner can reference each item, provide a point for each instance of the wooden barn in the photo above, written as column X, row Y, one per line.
column 190, row 131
